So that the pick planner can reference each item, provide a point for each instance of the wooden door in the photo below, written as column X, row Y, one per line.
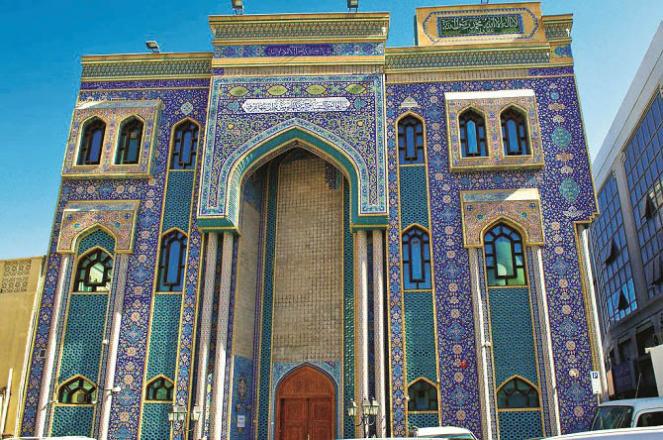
column 305, row 406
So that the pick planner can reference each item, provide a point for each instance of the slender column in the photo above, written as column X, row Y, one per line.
column 539, row 279
column 378, row 329
column 47, row 376
column 594, row 318
column 205, row 331
column 362, row 320
column 107, row 394
column 483, row 340
column 221, row 337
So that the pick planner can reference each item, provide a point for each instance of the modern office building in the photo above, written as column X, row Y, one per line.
column 627, row 237
column 253, row 242
column 20, row 285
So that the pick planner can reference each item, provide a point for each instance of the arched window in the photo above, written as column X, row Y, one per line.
column 185, row 144
column 505, row 261
column 422, row 396
column 517, row 393
column 92, row 142
column 94, row 271
column 128, row 148
column 160, row 389
column 77, row 391
column 514, row 132
column 416, row 259
column 472, row 134
column 171, row 262
column 410, row 140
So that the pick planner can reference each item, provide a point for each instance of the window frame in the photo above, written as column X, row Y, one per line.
column 513, row 109
column 514, row 255
column 425, row 283
column 164, row 258
column 419, row 149
column 531, row 387
column 151, row 392
column 85, row 142
column 121, row 149
column 80, row 381
column 432, row 386
column 463, row 133
column 108, row 272
column 174, row 142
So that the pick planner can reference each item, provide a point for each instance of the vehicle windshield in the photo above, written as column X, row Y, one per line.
column 612, row 417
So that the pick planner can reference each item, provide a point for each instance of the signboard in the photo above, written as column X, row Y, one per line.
column 296, row 105
column 241, row 421
column 656, row 354
column 468, row 25
column 596, row 382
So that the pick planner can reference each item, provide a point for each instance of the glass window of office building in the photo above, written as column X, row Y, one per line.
column 644, row 168
column 611, row 256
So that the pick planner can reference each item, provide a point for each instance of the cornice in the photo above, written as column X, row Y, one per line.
column 145, row 66
column 557, row 27
column 297, row 28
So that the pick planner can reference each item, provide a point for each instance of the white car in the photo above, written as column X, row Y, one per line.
column 629, row 413
column 652, row 433
column 438, row 433
column 71, row 437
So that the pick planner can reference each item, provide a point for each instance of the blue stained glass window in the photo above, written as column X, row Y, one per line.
column 472, row 134
column 410, row 140
column 416, row 259
column 128, row 148
column 92, row 142
column 93, row 273
column 422, row 396
column 505, row 261
column 185, row 144
column 172, row 262
column 514, row 133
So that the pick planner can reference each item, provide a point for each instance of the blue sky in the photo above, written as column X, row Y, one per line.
column 42, row 41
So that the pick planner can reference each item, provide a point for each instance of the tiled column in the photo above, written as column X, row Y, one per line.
column 594, row 318
column 378, row 329
column 205, row 331
column 549, row 367
column 221, row 338
column 47, row 376
column 483, row 347
column 122, row 263
column 361, row 351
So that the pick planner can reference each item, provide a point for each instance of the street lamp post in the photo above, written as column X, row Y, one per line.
column 368, row 416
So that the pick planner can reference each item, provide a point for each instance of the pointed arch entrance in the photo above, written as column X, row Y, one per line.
column 305, row 405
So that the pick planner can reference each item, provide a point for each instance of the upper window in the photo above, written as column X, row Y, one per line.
column 514, row 133
column 171, row 262
column 92, row 141
column 410, row 140
column 94, row 272
column 517, row 393
column 416, row 259
column 160, row 390
column 185, row 144
column 472, row 134
column 128, row 148
column 77, row 391
column 422, row 396
column 505, row 261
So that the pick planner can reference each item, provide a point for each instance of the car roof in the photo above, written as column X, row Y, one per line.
column 637, row 404
column 442, row 430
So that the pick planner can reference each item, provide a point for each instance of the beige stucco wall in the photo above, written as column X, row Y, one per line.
column 308, row 269
column 19, row 282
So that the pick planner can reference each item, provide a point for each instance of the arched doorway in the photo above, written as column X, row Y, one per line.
column 305, row 403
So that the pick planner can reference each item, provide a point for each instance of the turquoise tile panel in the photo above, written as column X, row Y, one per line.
column 348, row 312
column 72, row 420
column 155, row 424
column 420, row 337
column 178, row 200
column 97, row 238
column 84, row 333
column 517, row 425
column 422, row 420
column 163, row 341
column 513, row 342
column 414, row 200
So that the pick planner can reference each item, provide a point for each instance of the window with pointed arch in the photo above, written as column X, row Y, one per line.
column 410, row 140
column 172, row 261
column 514, row 132
column 94, row 272
column 92, row 142
column 505, row 259
column 517, row 393
column 422, row 396
column 472, row 134
column 185, row 144
column 128, row 148
column 160, row 389
column 416, row 259
column 77, row 391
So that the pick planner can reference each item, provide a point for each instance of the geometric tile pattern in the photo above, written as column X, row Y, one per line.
column 520, row 425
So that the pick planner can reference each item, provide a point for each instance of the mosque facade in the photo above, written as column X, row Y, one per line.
column 273, row 239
